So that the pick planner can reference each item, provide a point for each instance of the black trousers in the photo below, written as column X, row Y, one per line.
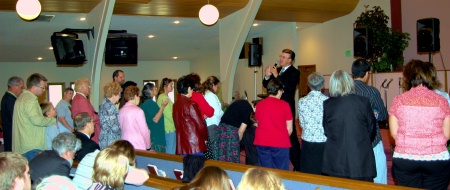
column 421, row 174
column 294, row 151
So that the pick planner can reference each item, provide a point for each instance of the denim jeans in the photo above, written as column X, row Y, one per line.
column 171, row 143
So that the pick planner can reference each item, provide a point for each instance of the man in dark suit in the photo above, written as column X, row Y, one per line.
column 289, row 76
column 57, row 161
column 15, row 87
column 84, row 127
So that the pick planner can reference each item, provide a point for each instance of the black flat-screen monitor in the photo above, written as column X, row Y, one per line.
column 68, row 49
column 121, row 48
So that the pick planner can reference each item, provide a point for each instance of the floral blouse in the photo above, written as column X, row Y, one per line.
column 109, row 122
column 310, row 111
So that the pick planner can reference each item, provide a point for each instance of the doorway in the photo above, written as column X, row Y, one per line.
column 305, row 70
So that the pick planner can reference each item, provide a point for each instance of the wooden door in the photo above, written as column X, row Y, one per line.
column 305, row 70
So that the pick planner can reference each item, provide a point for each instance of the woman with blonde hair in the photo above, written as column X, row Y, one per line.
column 169, row 125
column 109, row 115
column 210, row 178
column 110, row 169
column 135, row 176
column 132, row 120
column 350, row 127
column 256, row 178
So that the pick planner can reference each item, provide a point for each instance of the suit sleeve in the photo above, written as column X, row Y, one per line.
column 290, row 81
column 324, row 120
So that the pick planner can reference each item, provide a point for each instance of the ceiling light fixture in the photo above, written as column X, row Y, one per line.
column 28, row 9
column 208, row 14
column 175, row 57
column 151, row 36
column 255, row 24
column 39, row 58
column 82, row 18
column 176, row 22
column 50, row 48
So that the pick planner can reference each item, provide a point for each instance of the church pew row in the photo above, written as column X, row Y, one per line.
column 291, row 180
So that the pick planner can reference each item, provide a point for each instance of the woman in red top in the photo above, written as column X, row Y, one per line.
column 274, row 119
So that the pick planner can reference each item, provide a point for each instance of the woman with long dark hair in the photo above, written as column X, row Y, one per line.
column 169, row 126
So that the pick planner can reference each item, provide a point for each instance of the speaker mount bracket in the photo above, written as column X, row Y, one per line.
column 86, row 31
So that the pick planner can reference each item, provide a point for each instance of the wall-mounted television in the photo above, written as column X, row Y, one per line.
column 68, row 49
column 121, row 48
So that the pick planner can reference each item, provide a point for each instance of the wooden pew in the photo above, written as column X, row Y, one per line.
column 292, row 180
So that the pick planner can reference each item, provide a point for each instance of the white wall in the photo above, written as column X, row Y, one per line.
column 206, row 65
column 324, row 45
column 278, row 38
column 413, row 10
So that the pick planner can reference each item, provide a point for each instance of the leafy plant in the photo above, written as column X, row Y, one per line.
column 387, row 45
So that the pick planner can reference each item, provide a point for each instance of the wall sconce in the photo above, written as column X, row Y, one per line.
column 208, row 14
column 28, row 9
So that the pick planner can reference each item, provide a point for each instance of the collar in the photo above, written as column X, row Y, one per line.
column 82, row 94
column 85, row 134
column 285, row 68
column 11, row 93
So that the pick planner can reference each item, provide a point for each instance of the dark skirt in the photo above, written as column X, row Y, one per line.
column 311, row 157
column 226, row 146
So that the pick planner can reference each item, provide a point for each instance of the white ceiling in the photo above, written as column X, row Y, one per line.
column 22, row 41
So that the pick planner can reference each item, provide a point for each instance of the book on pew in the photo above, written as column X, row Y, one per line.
column 155, row 171
column 178, row 174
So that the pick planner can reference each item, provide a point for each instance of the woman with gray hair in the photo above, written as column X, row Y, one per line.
column 349, row 125
column 310, row 111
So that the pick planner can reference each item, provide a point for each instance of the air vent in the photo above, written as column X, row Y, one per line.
column 45, row 18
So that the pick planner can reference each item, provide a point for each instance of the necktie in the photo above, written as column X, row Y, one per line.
column 282, row 71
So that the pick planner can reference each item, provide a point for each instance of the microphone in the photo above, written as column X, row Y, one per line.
column 246, row 97
column 399, row 81
column 387, row 86
column 276, row 63
column 382, row 85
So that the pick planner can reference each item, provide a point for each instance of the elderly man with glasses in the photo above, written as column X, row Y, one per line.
column 80, row 103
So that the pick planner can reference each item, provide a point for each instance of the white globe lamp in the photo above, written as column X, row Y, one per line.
column 208, row 14
column 28, row 9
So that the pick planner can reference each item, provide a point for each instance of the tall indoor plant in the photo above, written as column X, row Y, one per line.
column 387, row 45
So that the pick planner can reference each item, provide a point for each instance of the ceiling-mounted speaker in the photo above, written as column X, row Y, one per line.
column 428, row 35
column 362, row 42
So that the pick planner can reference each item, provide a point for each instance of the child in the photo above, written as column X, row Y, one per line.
column 51, row 131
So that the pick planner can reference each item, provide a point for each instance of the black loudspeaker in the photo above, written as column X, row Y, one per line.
column 255, row 56
column 428, row 35
column 121, row 48
column 68, row 49
column 362, row 42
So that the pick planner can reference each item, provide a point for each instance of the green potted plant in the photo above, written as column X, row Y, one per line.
column 387, row 45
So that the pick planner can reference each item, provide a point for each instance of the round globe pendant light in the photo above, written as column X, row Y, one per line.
column 28, row 9
column 208, row 14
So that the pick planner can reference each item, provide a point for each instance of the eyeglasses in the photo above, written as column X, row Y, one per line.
column 41, row 87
